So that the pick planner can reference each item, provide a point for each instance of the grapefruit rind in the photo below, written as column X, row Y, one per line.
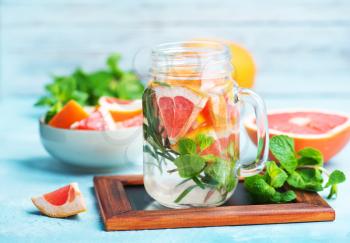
column 135, row 121
column 250, row 124
column 329, row 143
column 121, row 110
column 70, row 113
column 71, row 207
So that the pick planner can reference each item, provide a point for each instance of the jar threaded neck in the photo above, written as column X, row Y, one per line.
column 190, row 60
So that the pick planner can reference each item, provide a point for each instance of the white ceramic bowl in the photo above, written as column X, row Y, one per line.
column 93, row 149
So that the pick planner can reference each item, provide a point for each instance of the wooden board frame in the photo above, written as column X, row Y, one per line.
column 118, row 214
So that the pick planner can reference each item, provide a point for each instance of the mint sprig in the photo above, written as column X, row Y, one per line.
column 335, row 178
column 301, row 170
column 87, row 87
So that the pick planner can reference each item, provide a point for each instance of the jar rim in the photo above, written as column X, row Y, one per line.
column 191, row 60
column 201, row 48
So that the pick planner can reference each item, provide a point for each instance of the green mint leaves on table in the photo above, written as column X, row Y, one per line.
column 301, row 170
column 86, row 88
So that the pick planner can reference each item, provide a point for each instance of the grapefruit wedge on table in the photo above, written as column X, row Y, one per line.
column 63, row 202
column 179, row 108
column 121, row 110
column 328, row 132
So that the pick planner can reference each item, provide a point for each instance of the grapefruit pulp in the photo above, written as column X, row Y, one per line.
column 63, row 202
column 99, row 120
column 328, row 132
column 179, row 107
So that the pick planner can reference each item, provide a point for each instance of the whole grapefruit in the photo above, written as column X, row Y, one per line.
column 244, row 68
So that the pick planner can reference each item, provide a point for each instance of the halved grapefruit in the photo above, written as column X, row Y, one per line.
column 63, row 202
column 328, row 132
column 179, row 108
column 121, row 110
column 99, row 120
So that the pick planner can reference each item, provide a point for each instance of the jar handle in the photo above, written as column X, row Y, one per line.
column 256, row 166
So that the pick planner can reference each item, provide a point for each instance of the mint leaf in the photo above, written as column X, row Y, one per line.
column 220, row 171
column 310, row 156
column 305, row 180
column 79, row 96
column 296, row 180
column 335, row 178
column 129, row 86
column 53, row 111
column 276, row 175
column 282, row 147
column 189, row 165
column 260, row 190
column 280, row 197
column 187, row 146
column 113, row 64
column 45, row 101
column 204, row 141
column 311, row 174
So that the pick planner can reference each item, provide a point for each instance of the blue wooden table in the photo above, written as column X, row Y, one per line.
column 303, row 56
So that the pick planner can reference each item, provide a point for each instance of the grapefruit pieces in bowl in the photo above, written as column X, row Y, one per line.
column 93, row 140
column 63, row 202
column 98, row 120
column 326, row 131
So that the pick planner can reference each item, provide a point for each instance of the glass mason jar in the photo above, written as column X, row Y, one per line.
column 191, row 126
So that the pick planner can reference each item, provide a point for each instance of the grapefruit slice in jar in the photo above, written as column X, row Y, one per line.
column 178, row 108
column 218, row 111
column 64, row 202
column 326, row 131
column 121, row 110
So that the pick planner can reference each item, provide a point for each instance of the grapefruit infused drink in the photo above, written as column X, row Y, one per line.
column 191, row 127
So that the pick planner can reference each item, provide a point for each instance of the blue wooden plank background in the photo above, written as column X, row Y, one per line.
column 302, row 51
column 300, row 46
